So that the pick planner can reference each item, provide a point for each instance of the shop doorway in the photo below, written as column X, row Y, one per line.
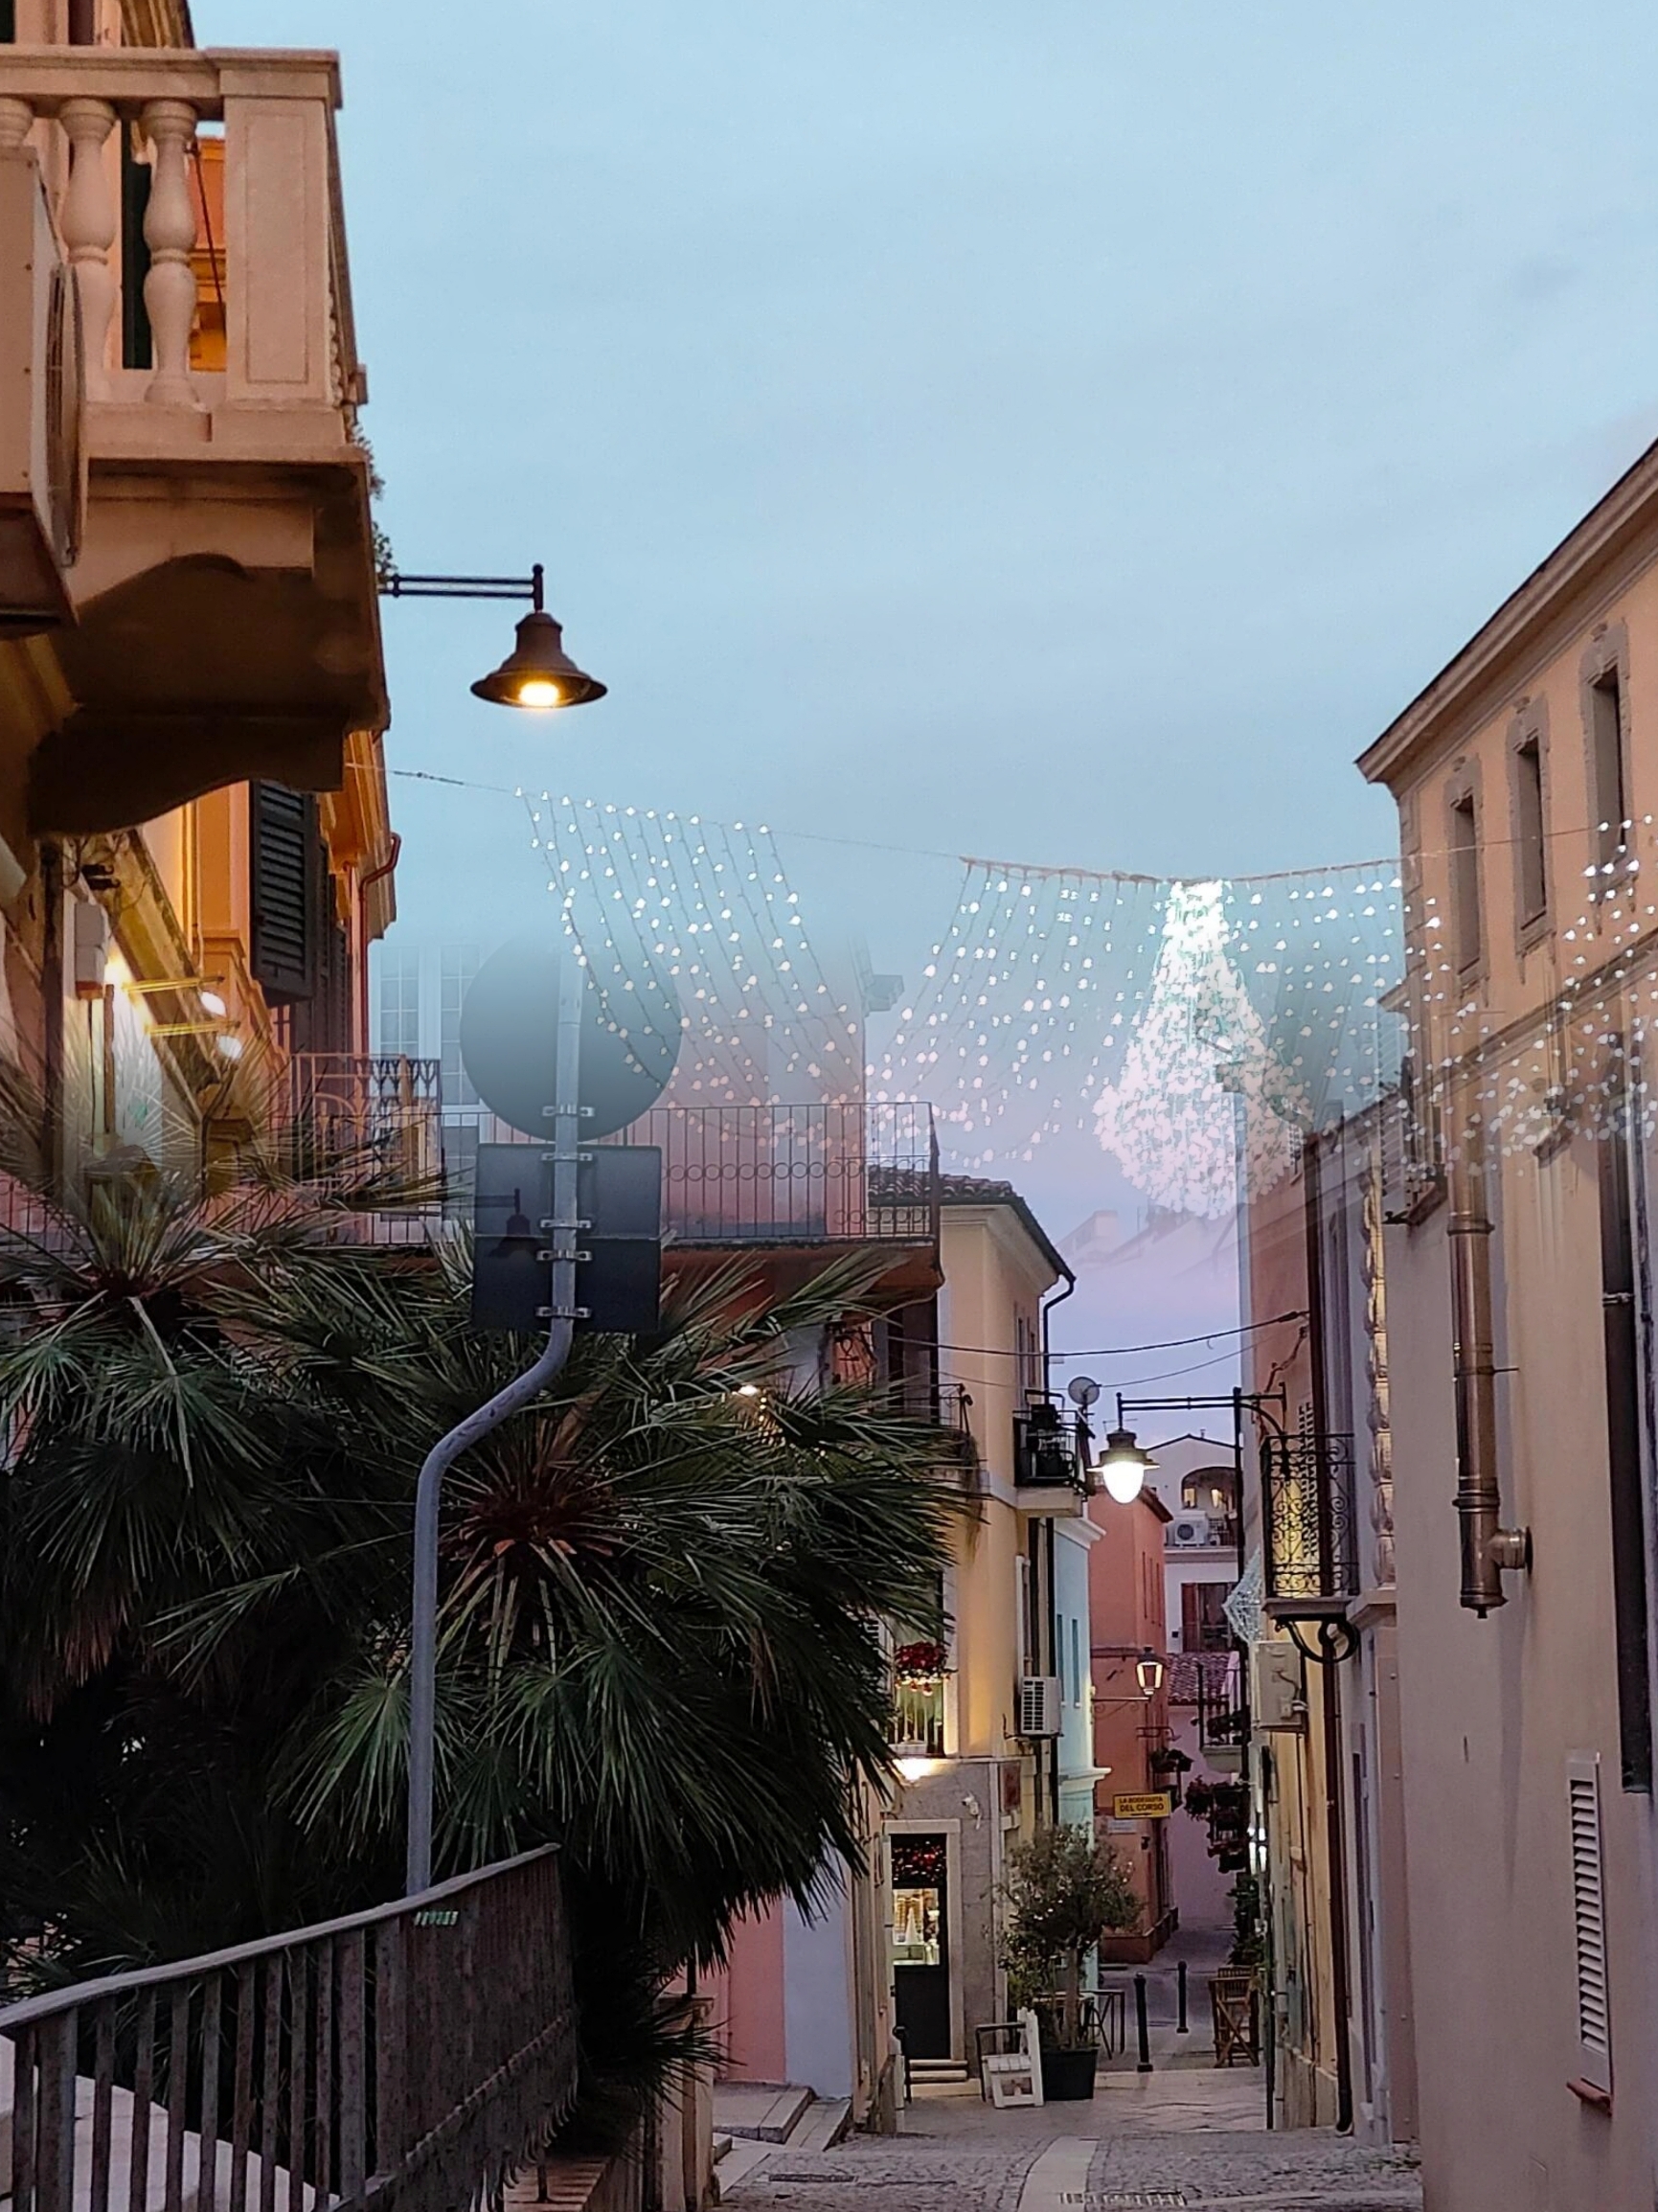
column 921, row 1944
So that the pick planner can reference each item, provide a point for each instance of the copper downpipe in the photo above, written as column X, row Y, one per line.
column 1489, row 1549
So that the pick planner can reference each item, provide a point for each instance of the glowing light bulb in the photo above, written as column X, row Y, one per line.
column 538, row 692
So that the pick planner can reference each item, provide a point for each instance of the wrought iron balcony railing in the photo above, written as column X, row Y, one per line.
column 358, row 1120
column 1047, row 1451
column 1310, row 1538
column 415, row 2055
column 773, row 1176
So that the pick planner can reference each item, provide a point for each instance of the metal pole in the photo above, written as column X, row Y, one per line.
column 1140, row 2028
column 1180, row 2027
column 566, row 1118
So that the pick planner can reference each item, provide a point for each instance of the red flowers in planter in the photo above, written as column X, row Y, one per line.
column 916, row 1665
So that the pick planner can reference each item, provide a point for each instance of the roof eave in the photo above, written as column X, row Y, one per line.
column 1630, row 506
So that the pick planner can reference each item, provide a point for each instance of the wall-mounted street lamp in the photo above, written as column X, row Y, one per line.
column 1149, row 1673
column 537, row 674
column 1123, row 1466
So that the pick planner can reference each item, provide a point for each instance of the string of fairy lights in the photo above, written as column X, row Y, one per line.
column 1508, row 1070
column 1128, row 1006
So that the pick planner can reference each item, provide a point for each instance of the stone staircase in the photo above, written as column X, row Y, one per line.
column 753, row 2121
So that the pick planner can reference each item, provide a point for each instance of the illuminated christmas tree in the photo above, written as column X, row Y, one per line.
column 1199, row 1074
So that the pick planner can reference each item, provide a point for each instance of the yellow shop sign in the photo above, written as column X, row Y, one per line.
column 1146, row 1805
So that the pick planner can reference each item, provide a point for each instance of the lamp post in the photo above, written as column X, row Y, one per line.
column 537, row 674
column 565, row 1116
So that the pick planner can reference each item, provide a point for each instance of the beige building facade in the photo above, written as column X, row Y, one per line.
column 991, row 1731
column 1520, row 1305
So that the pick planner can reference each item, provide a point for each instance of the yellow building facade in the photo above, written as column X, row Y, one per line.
column 196, row 849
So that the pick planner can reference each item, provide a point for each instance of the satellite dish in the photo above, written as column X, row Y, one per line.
column 630, row 1032
column 1081, row 1390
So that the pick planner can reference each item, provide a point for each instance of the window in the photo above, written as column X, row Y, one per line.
column 8, row 22
column 1531, row 848
column 1209, row 1490
column 1465, row 857
column 1203, row 1622
column 1075, row 1661
column 397, row 1028
column 1609, row 793
column 460, row 963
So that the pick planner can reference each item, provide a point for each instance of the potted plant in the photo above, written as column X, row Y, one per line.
column 1064, row 1893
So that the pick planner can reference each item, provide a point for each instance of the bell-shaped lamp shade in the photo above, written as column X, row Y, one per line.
column 538, row 673
column 1123, row 1467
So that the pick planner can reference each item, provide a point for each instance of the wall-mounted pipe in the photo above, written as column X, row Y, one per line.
column 1489, row 1549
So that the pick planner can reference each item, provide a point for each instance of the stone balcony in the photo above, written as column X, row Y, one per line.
column 217, row 616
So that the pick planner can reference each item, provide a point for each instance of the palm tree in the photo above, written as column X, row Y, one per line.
column 665, row 1587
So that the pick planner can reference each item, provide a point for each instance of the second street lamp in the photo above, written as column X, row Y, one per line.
column 537, row 674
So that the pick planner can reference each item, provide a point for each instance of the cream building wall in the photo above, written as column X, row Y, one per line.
column 1528, row 1802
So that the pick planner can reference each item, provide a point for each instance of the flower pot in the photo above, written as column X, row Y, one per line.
column 1068, row 2076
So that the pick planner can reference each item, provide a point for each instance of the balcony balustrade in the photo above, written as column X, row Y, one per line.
column 1047, row 1451
column 917, row 1730
column 216, row 615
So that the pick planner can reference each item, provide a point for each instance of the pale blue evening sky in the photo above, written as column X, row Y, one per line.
column 1067, row 430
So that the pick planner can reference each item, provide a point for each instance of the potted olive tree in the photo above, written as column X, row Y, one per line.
column 1064, row 1893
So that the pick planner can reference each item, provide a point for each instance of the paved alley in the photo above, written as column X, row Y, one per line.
column 1192, row 2139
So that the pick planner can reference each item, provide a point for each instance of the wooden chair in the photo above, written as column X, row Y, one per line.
column 1235, row 1995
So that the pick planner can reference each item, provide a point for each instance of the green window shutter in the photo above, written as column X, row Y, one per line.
column 283, row 832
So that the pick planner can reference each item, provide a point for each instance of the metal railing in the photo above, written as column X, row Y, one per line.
column 416, row 2055
column 917, row 1722
column 352, row 1117
column 1309, row 1526
column 1048, row 1452
column 1222, row 1719
column 847, row 1174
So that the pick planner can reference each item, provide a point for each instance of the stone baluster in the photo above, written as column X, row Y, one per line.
column 170, row 234
column 87, row 222
column 16, row 119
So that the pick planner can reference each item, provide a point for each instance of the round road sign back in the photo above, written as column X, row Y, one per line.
column 631, row 1031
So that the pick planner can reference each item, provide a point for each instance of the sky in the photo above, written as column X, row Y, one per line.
column 1066, row 432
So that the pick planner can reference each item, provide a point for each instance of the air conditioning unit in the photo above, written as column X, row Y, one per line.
column 1041, row 1700
column 42, row 467
column 1191, row 1532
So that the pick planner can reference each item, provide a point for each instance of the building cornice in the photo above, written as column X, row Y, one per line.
column 1608, row 538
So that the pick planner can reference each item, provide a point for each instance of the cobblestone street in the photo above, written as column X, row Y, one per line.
column 1190, row 2139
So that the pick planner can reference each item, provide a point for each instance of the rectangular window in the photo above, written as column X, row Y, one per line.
column 460, row 963
column 1464, row 855
column 1075, row 1661
column 397, row 1028
column 1203, row 1622
column 8, row 22
column 1608, row 795
column 1530, row 854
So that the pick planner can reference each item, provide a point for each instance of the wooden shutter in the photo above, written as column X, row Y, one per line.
column 1589, row 1921
column 284, row 876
